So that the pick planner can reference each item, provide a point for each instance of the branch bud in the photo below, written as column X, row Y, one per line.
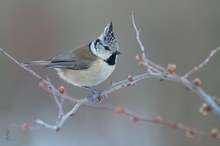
column 130, row 78
column 197, row 82
column 119, row 109
column 24, row 126
column 158, row 118
column 61, row 89
column 141, row 63
column 138, row 57
column 99, row 99
column 205, row 109
column 171, row 68
column 133, row 119
column 41, row 84
column 190, row 134
column 214, row 132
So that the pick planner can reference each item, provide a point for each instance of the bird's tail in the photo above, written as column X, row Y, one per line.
column 40, row 62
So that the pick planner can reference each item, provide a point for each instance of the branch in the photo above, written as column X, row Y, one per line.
column 145, row 61
column 63, row 118
column 153, row 71
column 135, row 117
column 59, row 104
column 116, row 86
column 163, row 74
column 205, row 62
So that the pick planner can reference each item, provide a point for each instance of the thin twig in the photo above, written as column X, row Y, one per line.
column 59, row 103
column 154, row 71
column 55, row 97
column 73, row 99
column 60, row 122
column 205, row 62
column 143, row 55
column 135, row 117
column 114, row 87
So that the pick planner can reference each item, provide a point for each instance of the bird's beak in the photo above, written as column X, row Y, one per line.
column 117, row 53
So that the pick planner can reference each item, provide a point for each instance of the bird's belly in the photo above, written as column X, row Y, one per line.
column 88, row 77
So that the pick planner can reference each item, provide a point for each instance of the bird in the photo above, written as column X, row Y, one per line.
column 89, row 64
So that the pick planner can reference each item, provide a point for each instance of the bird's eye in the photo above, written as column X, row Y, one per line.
column 106, row 48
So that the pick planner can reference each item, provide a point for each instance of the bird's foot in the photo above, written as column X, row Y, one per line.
column 95, row 96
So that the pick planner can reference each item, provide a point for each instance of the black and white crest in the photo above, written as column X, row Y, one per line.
column 106, row 44
column 108, row 36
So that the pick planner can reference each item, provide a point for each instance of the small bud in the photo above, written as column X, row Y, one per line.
column 119, row 109
column 214, row 132
column 61, row 89
column 138, row 57
column 141, row 63
column 205, row 109
column 190, row 134
column 197, row 82
column 133, row 119
column 171, row 68
column 99, row 99
column 24, row 126
column 158, row 118
column 130, row 78
column 41, row 84
column 174, row 125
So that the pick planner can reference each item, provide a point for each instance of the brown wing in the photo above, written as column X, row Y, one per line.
column 76, row 59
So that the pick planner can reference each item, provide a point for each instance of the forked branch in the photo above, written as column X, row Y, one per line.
column 154, row 70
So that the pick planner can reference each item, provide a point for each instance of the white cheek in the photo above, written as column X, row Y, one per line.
column 102, row 54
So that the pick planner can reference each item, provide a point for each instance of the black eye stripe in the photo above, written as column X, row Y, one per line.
column 99, row 42
column 106, row 47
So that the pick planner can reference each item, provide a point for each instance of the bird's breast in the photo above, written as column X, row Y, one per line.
column 97, row 73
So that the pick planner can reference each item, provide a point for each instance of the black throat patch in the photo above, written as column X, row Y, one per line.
column 111, row 60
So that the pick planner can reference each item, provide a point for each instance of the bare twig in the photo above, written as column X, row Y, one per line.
column 22, row 65
column 59, row 103
column 73, row 99
column 145, row 61
column 163, row 74
column 205, row 62
column 154, row 71
column 55, row 96
column 114, row 87
column 135, row 117
column 60, row 122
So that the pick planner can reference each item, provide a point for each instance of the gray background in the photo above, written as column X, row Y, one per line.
column 173, row 31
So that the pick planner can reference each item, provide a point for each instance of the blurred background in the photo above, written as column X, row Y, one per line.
column 173, row 31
